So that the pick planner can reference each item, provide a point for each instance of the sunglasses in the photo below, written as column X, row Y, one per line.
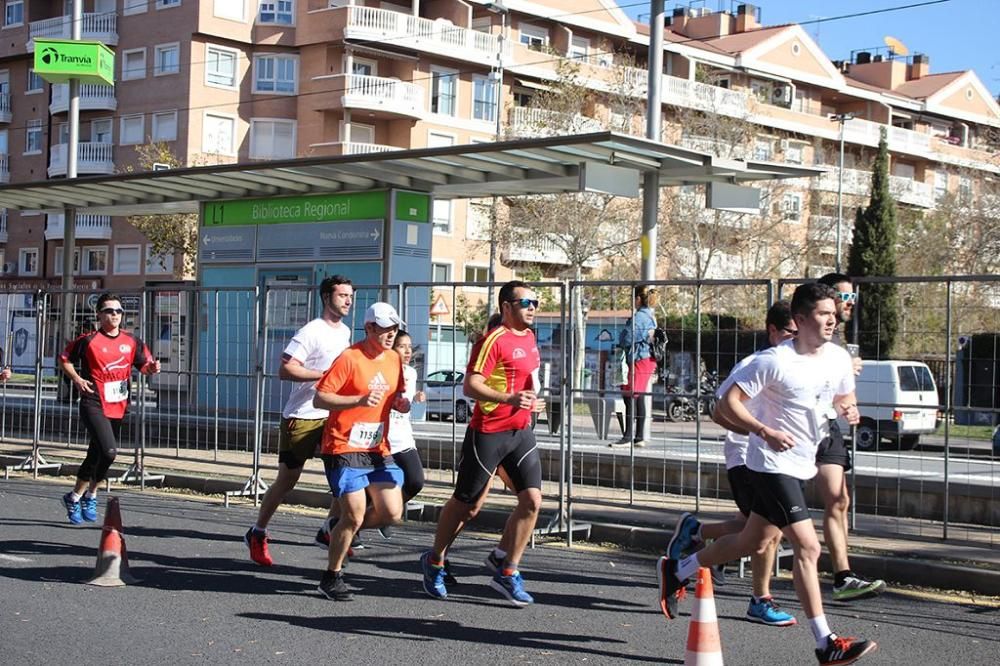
column 112, row 311
column 847, row 296
column 525, row 302
column 790, row 331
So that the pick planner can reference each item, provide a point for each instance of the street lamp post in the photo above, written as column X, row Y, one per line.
column 841, row 118
column 503, row 11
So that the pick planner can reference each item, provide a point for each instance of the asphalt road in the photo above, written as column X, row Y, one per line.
column 200, row 600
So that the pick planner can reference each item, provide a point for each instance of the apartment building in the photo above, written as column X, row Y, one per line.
column 246, row 80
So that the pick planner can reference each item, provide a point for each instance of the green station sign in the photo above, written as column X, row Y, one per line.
column 283, row 210
column 59, row 60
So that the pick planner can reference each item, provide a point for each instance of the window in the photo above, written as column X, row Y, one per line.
column 761, row 90
column 165, row 126
column 35, row 82
column 133, row 129
column 441, row 216
column 360, row 133
column 444, row 84
column 27, row 261
column 158, row 263
column 167, row 4
column 134, row 64
column 940, row 184
column 475, row 273
column 219, row 134
column 272, row 139
column 533, row 36
column 234, row 10
column 793, row 153
column 440, row 273
column 95, row 260
column 484, row 98
column 964, row 189
column 14, row 12
column 364, row 67
column 33, row 137
column 478, row 217
column 58, row 261
column 220, row 66
column 166, row 59
column 579, row 49
column 277, row 11
column 791, row 207
column 4, row 146
column 127, row 259
column 275, row 74
column 135, row 7
column 100, row 130
column 762, row 149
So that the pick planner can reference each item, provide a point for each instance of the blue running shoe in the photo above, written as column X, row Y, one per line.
column 512, row 588
column 88, row 508
column 767, row 612
column 685, row 536
column 433, row 577
column 72, row 509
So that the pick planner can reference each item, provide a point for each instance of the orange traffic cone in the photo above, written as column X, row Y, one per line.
column 111, row 569
column 704, row 647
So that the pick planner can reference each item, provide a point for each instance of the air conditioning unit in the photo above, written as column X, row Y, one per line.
column 9, row 268
column 781, row 95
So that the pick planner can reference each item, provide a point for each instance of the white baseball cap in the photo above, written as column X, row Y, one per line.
column 383, row 315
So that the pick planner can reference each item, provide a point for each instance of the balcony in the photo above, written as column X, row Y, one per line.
column 540, row 250
column 3, row 226
column 4, row 168
column 92, row 98
column 88, row 227
column 5, row 114
column 531, row 122
column 92, row 158
column 856, row 182
column 350, row 148
column 823, row 231
column 440, row 37
column 378, row 93
column 704, row 97
column 912, row 192
column 101, row 27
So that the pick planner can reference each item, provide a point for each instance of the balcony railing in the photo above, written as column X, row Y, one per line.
column 102, row 27
column 823, row 230
column 359, row 148
column 529, row 121
column 541, row 249
column 383, row 94
column 4, row 168
column 5, row 113
column 92, row 98
column 693, row 94
column 88, row 227
column 908, row 191
column 856, row 182
column 433, row 36
column 92, row 158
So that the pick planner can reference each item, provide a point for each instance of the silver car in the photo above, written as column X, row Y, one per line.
column 445, row 396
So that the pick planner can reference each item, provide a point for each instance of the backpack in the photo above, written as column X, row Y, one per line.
column 658, row 350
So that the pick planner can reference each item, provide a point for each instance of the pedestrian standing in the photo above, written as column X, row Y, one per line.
column 635, row 340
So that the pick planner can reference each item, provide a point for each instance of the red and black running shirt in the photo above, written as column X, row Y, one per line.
column 507, row 360
column 107, row 361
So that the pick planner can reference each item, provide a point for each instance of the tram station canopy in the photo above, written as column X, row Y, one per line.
column 602, row 161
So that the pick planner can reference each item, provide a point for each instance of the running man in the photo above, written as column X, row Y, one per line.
column 106, row 357
column 762, row 608
column 501, row 377
column 359, row 390
column 833, row 459
column 310, row 353
column 798, row 385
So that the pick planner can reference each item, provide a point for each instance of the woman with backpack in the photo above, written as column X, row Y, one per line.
column 635, row 341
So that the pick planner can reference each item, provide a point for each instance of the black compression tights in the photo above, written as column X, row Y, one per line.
column 104, row 433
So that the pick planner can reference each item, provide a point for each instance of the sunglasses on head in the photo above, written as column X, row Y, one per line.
column 110, row 311
column 525, row 302
column 848, row 296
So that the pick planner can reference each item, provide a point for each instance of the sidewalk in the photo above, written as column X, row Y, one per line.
column 900, row 551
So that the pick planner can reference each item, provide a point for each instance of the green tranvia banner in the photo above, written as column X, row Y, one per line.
column 59, row 60
column 319, row 208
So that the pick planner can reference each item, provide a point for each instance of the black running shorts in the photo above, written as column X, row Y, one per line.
column 741, row 486
column 514, row 450
column 779, row 498
column 833, row 450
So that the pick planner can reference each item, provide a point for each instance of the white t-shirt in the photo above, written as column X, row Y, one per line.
column 735, row 448
column 400, row 427
column 316, row 346
column 795, row 393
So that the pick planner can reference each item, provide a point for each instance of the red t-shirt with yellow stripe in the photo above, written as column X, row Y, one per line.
column 507, row 360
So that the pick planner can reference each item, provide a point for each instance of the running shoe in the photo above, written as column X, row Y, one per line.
column 256, row 541
column 512, row 588
column 434, row 575
column 767, row 612
column 639, row 443
column 385, row 532
column 685, row 536
column 857, row 588
column 88, row 508
column 842, row 650
column 449, row 578
column 72, row 507
column 323, row 537
column 718, row 575
column 333, row 586
column 492, row 562
column 672, row 589
column 357, row 543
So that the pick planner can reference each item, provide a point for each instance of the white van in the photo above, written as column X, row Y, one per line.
column 898, row 402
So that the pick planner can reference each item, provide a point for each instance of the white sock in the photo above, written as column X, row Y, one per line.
column 821, row 630
column 90, row 493
column 688, row 566
column 698, row 535
column 74, row 496
column 258, row 528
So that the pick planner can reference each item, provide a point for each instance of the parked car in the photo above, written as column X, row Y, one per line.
column 902, row 404
column 445, row 397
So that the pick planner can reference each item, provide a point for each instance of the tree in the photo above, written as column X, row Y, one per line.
column 873, row 253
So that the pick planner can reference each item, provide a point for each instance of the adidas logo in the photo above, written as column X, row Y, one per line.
column 378, row 383
column 518, row 353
